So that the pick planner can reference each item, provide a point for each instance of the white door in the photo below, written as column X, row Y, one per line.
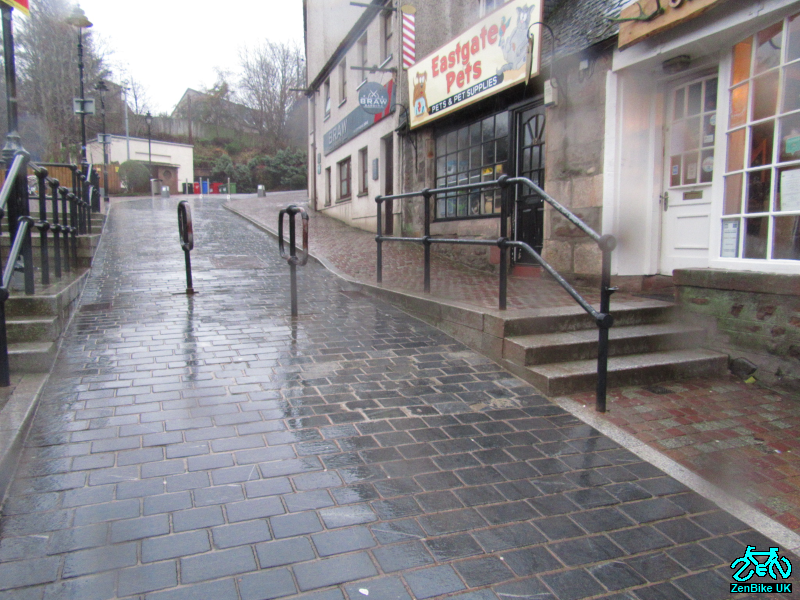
column 689, row 168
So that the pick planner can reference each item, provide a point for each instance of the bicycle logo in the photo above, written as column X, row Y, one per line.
column 748, row 565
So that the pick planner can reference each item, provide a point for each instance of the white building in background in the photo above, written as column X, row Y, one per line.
column 172, row 163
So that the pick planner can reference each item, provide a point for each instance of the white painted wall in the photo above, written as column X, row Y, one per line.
column 181, row 155
column 361, row 210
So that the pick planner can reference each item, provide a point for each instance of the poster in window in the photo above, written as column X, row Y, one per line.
column 730, row 239
column 790, row 189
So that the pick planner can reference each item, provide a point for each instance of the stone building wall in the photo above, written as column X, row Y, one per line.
column 575, row 131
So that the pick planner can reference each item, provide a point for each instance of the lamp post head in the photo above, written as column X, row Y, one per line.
column 101, row 86
column 78, row 18
column 148, row 118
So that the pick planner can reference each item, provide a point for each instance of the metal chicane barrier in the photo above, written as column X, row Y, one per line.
column 292, row 257
column 186, row 233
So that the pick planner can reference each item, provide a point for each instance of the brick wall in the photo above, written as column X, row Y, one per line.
column 753, row 315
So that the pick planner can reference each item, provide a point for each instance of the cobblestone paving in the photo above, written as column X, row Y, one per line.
column 210, row 447
column 744, row 438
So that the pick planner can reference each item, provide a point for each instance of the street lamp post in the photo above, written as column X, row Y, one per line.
column 12, row 137
column 102, row 88
column 149, row 120
column 79, row 20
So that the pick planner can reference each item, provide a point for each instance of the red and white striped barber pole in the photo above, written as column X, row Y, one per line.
column 408, row 40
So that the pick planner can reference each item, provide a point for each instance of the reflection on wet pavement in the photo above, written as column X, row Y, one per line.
column 212, row 447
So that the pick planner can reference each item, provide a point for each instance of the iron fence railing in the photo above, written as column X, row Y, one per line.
column 606, row 244
column 73, row 219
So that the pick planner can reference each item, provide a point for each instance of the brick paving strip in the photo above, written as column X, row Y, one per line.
column 212, row 447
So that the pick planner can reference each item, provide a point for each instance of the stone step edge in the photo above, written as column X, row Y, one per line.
column 658, row 366
column 583, row 344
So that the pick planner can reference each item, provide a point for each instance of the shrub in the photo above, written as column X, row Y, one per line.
column 135, row 175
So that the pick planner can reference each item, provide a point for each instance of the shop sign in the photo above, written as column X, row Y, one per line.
column 356, row 122
column 373, row 97
column 489, row 57
column 644, row 18
column 21, row 5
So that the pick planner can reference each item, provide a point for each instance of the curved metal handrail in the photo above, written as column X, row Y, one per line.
column 17, row 166
column 13, row 255
column 606, row 243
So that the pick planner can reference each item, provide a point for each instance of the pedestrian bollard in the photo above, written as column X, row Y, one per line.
column 187, row 239
column 292, row 257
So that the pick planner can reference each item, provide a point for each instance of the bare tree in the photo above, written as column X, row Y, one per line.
column 268, row 72
column 139, row 104
column 47, row 51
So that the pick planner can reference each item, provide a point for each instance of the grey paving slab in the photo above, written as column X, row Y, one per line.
column 210, row 446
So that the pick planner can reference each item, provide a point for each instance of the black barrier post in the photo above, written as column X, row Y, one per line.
column 292, row 258
column 187, row 239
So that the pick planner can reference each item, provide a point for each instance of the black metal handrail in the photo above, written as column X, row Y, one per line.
column 292, row 257
column 74, row 219
column 186, row 233
column 606, row 243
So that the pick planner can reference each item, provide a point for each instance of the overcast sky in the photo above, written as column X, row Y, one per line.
column 169, row 45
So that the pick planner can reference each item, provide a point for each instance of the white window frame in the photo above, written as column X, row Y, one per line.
column 739, row 263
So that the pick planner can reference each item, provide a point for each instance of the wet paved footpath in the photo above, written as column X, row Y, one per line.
column 210, row 447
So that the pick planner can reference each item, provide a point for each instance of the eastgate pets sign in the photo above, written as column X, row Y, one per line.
column 487, row 58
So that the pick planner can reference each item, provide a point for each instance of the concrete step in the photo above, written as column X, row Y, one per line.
column 636, row 369
column 32, row 357
column 548, row 348
column 29, row 330
column 48, row 301
column 574, row 318
column 86, row 246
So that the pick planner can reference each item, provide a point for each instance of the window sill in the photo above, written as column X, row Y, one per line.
column 467, row 218
column 342, row 102
column 326, row 117
column 343, row 200
column 362, row 194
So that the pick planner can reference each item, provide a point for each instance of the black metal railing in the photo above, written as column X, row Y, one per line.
column 186, row 233
column 73, row 219
column 606, row 243
column 292, row 257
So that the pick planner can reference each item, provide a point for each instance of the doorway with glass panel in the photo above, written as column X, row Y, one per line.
column 691, row 121
column 529, row 123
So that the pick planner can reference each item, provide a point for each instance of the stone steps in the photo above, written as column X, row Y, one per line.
column 557, row 379
column 582, row 344
column 34, row 324
column 556, row 349
column 32, row 357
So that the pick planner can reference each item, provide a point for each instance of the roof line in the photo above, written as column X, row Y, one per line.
column 354, row 33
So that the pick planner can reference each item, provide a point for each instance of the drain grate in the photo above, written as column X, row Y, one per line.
column 96, row 307
column 659, row 389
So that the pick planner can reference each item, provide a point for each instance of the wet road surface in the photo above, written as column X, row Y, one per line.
column 212, row 447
